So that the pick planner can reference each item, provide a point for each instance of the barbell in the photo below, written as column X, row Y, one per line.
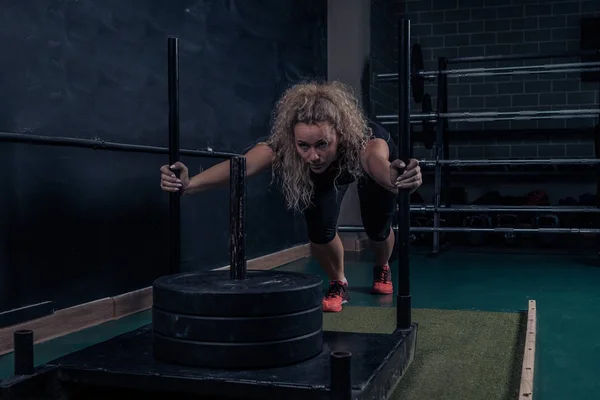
column 428, row 119
column 480, row 116
column 418, row 75
column 427, row 163
column 351, row 228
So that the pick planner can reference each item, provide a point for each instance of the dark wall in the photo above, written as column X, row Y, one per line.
column 7, row 209
column 79, row 224
column 384, row 53
column 384, row 42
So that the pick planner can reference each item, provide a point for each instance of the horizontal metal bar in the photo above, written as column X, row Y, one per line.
column 494, row 230
column 504, row 230
column 413, row 122
column 516, row 209
column 98, row 144
column 518, row 132
column 390, row 77
column 551, row 161
column 496, row 119
column 500, row 71
column 515, row 70
column 524, row 72
column 479, row 114
column 524, row 56
column 523, row 118
column 512, row 113
column 521, row 67
column 430, row 77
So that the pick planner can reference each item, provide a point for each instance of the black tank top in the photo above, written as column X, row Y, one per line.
column 380, row 132
column 333, row 172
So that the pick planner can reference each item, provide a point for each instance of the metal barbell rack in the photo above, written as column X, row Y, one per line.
column 507, row 209
column 350, row 228
column 514, row 161
column 442, row 117
column 498, row 71
column 491, row 119
column 99, row 144
column 497, row 115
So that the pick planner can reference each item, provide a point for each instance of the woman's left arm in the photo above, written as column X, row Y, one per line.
column 392, row 176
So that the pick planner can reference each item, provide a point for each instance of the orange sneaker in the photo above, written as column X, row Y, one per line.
column 382, row 280
column 336, row 296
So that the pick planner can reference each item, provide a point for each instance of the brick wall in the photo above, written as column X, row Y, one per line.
column 456, row 28
column 383, row 96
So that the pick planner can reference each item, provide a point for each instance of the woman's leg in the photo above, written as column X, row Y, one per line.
column 377, row 206
column 383, row 249
column 326, row 245
column 330, row 256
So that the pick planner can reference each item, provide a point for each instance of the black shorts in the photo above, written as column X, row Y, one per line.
column 377, row 204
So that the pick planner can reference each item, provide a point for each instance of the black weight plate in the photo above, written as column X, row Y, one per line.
column 237, row 329
column 417, row 65
column 212, row 293
column 238, row 355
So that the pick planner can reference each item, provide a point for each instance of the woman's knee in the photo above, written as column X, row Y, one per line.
column 378, row 232
column 321, row 235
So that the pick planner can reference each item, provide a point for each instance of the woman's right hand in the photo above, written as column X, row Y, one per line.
column 169, row 181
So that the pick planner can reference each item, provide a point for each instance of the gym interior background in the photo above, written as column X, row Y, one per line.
column 77, row 219
column 74, row 228
column 471, row 28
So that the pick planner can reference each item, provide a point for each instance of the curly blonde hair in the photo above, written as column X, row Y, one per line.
column 315, row 102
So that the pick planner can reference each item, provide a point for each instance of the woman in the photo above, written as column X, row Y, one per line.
column 320, row 143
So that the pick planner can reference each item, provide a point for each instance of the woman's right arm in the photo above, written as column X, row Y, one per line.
column 258, row 159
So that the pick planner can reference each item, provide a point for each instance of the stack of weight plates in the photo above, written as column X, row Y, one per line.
column 206, row 319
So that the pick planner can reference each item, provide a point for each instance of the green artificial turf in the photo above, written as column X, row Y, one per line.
column 460, row 354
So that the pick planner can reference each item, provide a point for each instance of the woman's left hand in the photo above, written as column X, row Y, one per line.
column 405, row 176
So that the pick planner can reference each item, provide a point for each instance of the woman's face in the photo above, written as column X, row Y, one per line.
column 317, row 145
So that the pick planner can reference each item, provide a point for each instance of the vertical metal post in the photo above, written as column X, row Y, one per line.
column 237, row 210
column 597, row 155
column 445, row 192
column 174, row 198
column 440, row 126
column 403, row 306
column 23, row 345
column 341, row 375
